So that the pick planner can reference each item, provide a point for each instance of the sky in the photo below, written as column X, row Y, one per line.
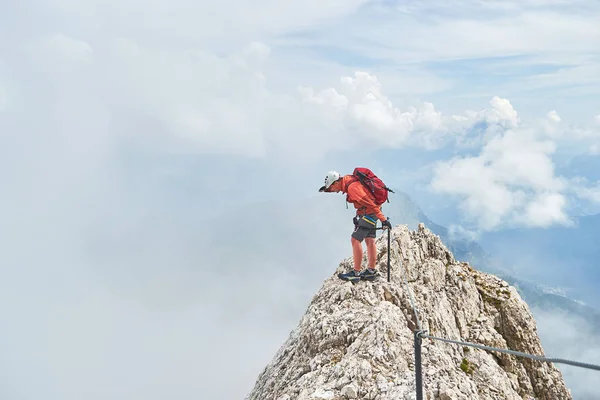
column 160, row 163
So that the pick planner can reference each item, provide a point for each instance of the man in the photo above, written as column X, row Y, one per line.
column 365, row 222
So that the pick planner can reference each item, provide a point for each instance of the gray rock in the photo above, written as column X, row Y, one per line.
column 350, row 391
column 358, row 340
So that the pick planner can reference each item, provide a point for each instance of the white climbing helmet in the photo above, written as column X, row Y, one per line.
column 331, row 177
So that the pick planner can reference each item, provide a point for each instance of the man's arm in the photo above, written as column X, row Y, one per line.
column 358, row 192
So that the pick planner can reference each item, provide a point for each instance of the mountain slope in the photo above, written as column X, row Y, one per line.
column 579, row 245
column 565, row 256
column 356, row 341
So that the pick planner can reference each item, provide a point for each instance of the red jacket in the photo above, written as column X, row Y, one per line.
column 362, row 199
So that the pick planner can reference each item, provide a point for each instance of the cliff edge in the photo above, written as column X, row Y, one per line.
column 356, row 341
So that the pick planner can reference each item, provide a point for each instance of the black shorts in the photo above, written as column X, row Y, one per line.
column 364, row 227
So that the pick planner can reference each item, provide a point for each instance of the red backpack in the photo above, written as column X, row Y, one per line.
column 373, row 184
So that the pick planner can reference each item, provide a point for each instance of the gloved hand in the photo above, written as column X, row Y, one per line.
column 355, row 220
column 386, row 224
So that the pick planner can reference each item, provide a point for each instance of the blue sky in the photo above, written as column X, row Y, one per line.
column 147, row 145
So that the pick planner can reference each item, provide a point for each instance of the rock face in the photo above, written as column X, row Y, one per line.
column 357, row 341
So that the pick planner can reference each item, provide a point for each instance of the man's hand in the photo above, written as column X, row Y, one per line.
column 386, row 224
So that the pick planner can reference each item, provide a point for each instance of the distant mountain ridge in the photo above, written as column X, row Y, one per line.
column 403, row 210
column 568, row 256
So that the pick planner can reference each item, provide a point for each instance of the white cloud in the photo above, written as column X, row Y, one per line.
column 204, row 104
column 546, row 209
column 209, row 24
column 485, row 198
column 188, row 93
column 570, row 78
column 502, row 113
column 361, row 108
column 573, row 337
column 517, row 32
column 597, row 119
column 407, row 82
column 500, row 116
column 584, row 189
column 196, row 101
column 458, row 232
column 553, row 116
column 519, row 157
column 511, row 181
column 535, row 52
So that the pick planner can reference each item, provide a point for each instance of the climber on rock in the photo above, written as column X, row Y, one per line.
column 368, row 211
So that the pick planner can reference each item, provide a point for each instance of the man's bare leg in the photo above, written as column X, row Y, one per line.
column 357, row 252
column 371, row 252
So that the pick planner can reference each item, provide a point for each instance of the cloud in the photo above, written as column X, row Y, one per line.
column 512, row 180
column 459, row 233
column 570, row 78
column 572, row 338
column 486, row 199
column 585, row 189
column 202, row 103
column 502, row 113
column 187, row 100
column 361, row 108
column 186, row 21
column 472, row 129
column 546, row 209
column 436, row 25
column 553, row 116
column 534, row 52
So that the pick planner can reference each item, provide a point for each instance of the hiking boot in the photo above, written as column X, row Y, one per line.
column 369, row 274
column 351, row 276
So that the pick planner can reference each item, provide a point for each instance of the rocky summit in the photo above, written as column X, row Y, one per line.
column 356, row 341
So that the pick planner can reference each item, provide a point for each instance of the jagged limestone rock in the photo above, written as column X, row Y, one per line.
column 357, row 341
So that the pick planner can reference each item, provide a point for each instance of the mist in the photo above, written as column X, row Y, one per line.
column 132, row 265
column 123, row 274
column 572, row 338
column 118, row 283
